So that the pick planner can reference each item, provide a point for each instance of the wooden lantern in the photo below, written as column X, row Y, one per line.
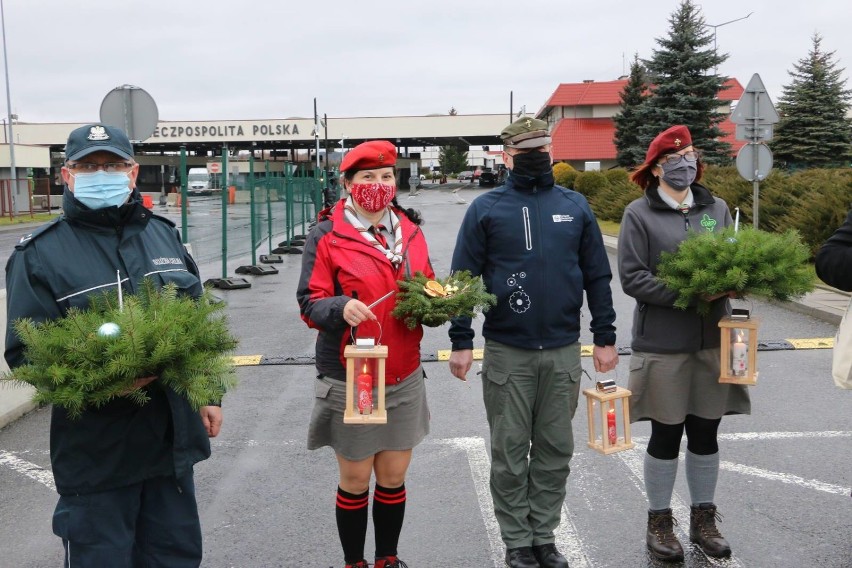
column 739, row 348
column 607, row 396
column 365, row 361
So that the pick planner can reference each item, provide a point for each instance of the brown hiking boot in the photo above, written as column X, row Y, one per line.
column 661, row 539
column 703, row 531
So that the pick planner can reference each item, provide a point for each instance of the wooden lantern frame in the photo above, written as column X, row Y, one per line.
column 749, row 325
column 607, row 400
column 352, row 353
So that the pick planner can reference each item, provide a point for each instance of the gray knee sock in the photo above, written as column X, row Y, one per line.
column 701, row 475
column 659, row 481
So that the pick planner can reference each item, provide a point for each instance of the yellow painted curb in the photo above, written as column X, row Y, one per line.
column 246, row 360
column 812, row 343
column 444, row 354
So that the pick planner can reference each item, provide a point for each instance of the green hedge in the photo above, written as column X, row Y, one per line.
column 813, row 202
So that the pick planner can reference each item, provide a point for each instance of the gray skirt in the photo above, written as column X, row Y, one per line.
column 408, row 419
column 667, row 386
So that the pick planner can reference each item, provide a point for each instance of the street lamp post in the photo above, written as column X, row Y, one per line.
column 13, row 173
column 715, row 51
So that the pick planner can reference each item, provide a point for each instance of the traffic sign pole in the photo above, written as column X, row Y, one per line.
column 756, row 115
column 184, row 204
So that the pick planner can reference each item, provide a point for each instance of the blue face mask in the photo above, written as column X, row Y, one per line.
column 102, row 189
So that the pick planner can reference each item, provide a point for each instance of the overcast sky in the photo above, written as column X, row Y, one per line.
column 258, row 59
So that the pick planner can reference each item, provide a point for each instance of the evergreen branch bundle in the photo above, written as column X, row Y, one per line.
column 434, row 302
column 749, row 262
column 182, row 340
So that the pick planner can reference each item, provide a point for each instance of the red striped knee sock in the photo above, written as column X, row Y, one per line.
column 351, row 513
column 388, row 514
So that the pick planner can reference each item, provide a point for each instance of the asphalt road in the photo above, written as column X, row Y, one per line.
column 266, row 501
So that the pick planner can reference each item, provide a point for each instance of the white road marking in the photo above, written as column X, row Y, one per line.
column 762, row 436
column 31, row 470
column 784, row 478
column 566, row 535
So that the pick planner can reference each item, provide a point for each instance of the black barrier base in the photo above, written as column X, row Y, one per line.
column 287, row 250
column 256, row 269
column 228, row 283
column 294, row 242
column 271, row 258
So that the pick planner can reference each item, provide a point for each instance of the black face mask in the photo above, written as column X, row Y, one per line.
column 531, row 164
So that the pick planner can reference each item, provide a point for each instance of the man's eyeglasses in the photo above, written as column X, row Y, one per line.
column 673, row 159
column 109, row 167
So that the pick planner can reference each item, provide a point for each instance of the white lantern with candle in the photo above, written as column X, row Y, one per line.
column 739, row 348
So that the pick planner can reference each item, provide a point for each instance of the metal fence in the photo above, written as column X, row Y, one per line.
column 265, row 211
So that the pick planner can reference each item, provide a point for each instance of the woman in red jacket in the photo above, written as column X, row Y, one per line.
column 356, row 253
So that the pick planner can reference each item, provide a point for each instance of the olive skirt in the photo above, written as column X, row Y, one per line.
column 407, row 425
column 667, row 386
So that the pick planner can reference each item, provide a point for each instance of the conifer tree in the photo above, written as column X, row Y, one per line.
column 814, row 130
column 453, row 158
column 684, row 86
column 631, row 152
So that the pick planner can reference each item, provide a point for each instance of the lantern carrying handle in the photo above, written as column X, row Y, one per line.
column 596, row 380
column 742, row 313
column 354, row 327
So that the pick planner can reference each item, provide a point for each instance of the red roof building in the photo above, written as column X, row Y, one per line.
column 581, row 125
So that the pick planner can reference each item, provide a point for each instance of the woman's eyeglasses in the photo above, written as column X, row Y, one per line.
column 673, row 159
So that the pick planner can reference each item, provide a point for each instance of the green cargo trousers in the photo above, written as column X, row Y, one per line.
column 530, row 398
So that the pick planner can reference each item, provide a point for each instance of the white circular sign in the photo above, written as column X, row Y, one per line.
column 133, row 110
column 746, row 165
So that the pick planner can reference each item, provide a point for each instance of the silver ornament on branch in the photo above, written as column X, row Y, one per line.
column 109, row 329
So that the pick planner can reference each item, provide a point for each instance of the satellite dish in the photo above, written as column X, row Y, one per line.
column 133, row 110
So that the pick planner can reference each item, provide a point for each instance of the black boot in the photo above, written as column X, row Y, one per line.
column 703, row 531
column 549, row 557
column 660, row 537
column 521, row 557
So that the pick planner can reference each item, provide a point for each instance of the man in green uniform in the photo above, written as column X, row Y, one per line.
column 538, row 248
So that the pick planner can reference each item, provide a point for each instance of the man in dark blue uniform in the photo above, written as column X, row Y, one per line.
column 123, row 471
column 538, row 248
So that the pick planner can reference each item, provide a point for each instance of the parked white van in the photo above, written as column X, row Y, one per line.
column 198, row 182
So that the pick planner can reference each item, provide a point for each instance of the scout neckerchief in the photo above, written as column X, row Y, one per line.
column 395, row 255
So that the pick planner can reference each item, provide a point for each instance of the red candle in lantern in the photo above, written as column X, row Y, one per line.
column 610, row 423
column 364, row 388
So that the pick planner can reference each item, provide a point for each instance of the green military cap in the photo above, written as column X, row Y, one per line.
column 525, row 132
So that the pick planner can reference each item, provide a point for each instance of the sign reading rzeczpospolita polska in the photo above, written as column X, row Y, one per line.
column 248, row 130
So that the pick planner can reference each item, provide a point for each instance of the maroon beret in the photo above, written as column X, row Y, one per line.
column 668, row 141
column 369, row 156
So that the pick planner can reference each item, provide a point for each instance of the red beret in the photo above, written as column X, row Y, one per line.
column 369, row 156
column 668, row 141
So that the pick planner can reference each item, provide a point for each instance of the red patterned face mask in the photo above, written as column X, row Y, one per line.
column 373, row 197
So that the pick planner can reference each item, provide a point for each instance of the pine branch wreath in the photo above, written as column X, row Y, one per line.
column 434, row 302
column 750, row 262
column 182, row 340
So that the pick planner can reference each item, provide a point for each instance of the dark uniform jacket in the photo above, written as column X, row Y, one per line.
column 834, row 259
column 338, row 265
column 537, row 248
column 58, row 267
column 649, row 228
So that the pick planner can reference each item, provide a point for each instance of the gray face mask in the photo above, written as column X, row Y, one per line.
column 679, row 176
